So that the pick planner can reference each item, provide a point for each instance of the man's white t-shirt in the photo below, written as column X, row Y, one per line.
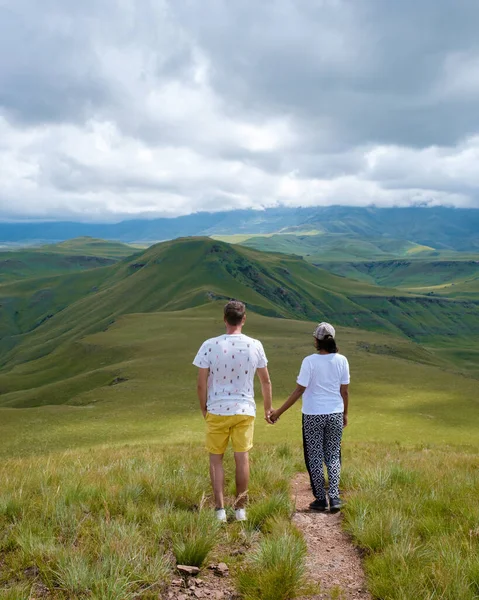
column 322, row 375
column 232, row 361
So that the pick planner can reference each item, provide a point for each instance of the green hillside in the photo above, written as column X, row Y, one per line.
column 26, row 264
column 42, row 320
column 418, row 275
column 332, row 246
column 189, row 272
column 136, row 383
column 88, row 246
column 39, row 315
column 75, row 255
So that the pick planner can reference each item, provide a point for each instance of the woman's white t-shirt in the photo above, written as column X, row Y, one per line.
column 322, row 375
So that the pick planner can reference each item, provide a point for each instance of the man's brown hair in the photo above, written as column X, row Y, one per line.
column 234, row 312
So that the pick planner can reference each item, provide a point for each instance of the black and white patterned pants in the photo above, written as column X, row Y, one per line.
column 322, row 444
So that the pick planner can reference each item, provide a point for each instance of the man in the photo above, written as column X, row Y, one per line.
column 227, row 365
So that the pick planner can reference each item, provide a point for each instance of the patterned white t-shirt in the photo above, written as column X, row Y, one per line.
column 232, row 361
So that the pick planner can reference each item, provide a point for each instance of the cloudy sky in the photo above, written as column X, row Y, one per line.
column 113, row 109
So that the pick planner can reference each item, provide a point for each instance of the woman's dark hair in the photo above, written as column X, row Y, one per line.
column 328, row 344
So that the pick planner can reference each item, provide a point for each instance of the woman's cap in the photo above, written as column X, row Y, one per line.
column 324, row 329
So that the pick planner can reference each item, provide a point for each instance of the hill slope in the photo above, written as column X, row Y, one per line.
column 420, row 275
column 335, row 246
column 41, row 320
column 26, row 264
column 88, row 246
column 138, row 384
column 169, row 276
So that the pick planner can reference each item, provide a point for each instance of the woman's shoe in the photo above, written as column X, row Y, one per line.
column 334, row 505
column 320, row 505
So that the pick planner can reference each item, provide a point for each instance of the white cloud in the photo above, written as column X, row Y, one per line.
column 111, row 110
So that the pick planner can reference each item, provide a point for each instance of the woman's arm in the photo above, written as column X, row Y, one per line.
column 298, row 392
column 344, row 391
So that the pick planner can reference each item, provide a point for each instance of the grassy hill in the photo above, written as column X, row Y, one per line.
column 88, row 246
column 418, row 274
column 315, row 247
column 42, row 319
column 135, row 382
column 75, row 255
column 27, row 264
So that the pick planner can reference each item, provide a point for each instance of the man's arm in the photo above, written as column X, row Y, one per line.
column 344, row 391
column 298, row 392
column 266, row 391
column 202, row 388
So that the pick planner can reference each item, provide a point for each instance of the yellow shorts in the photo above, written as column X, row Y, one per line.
column 219, row 430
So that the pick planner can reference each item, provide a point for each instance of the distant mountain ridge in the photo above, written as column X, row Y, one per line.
column 439, row 227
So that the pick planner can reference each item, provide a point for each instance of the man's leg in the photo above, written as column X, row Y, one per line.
column 242, row 439
column 217, row 475
column 242, row 478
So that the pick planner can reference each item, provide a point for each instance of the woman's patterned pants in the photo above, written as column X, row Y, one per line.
column 322, row 444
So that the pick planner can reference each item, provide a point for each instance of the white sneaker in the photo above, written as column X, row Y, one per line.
column 240, row 514
column 220, row 515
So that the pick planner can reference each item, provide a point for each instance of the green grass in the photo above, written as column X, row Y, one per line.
column 29, row 264
column 193, row 535
column 88, row 246
column 315, row 246
column 104, row 480
column 275, row 570
column 114, row 524
column 390, row 262
column 445, row 277
column 72, row 256
column 158, row 392
column 415, row 514
column 401, row 391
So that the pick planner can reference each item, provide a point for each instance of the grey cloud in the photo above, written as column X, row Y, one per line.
column 156, row 106
column 47, row 71
column 367, row 71
column 52, row 55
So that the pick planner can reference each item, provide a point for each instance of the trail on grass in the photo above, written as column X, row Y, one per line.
column 332, row 560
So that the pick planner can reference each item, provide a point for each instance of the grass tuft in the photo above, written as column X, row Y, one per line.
column 276, row 505
column 275, row 569
column 193, row 536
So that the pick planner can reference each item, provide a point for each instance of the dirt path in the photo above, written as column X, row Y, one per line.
column 332, row 560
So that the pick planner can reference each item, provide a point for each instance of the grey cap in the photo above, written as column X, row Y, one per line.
column 322, row 330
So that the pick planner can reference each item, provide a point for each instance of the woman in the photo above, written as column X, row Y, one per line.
column 323, row 382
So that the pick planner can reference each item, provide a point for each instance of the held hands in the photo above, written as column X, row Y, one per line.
column 271, row 416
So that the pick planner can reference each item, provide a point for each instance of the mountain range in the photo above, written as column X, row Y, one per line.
column 440, row 228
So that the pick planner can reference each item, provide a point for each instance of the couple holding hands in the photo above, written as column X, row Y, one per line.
column 226, row 368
